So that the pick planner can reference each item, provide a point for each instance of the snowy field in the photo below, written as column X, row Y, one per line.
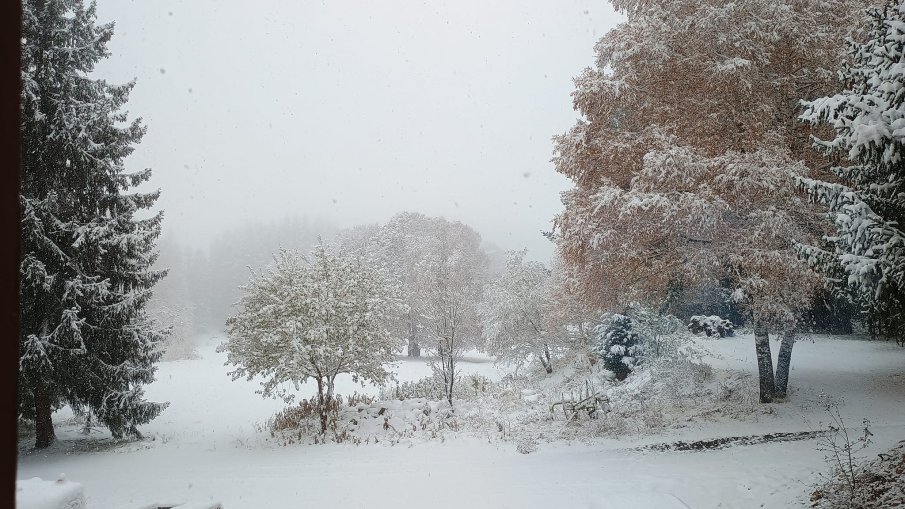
column 209, row 446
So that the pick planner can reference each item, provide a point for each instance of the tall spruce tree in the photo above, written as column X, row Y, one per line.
column 867, row 202
column 86, row 275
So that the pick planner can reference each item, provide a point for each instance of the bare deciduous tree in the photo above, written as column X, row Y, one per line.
column 514, row 313
column 450, row 279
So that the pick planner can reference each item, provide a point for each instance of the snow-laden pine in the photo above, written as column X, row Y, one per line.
column 617, row 345
column 86, row 259
column 867, row 201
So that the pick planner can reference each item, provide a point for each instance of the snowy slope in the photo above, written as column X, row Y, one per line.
column 206, row 447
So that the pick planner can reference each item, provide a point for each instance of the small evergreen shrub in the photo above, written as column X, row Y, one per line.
column 617, row 345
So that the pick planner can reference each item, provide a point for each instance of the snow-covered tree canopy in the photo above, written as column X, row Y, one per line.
column 684, row 161
column 398, row 247
column 450, row 279
column 312, row 317
column 438, row 268
column 867, row 199
column 86, row 260
column 434, row 263
column 515, row 311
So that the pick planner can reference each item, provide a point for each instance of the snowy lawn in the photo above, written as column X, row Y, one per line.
column 209, row 445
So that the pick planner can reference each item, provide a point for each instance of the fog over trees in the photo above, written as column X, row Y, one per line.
column 734, row 182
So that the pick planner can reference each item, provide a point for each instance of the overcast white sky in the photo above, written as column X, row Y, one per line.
column 353, row 111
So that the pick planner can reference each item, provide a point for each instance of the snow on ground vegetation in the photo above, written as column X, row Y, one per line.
column 501, row 446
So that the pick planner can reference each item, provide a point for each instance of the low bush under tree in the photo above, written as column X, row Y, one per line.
column 712, row 326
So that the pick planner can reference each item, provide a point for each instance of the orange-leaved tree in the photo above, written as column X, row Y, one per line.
column 685, row 158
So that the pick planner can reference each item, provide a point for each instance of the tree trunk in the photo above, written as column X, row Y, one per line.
column 44, row 434
column 414, row 349
column 321, row 405
column 783, row 363
column 86, row 430
column 545, row 360
column 764, row 363
column 452, row 379
column 329, row 403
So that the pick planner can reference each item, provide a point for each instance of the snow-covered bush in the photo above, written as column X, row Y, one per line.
column 849, row 484
column 874, row 484
column 428, row 387
column 297, row 421
column 617, row 345
column 711, row 326
column 660, row 335
column 713, row 298
column 433, row 388
column 662, row 392
column 623, row 341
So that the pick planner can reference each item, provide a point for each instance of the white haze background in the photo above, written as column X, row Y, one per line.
column 353, row 111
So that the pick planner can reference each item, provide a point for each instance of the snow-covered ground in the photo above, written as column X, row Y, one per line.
column 209, row 446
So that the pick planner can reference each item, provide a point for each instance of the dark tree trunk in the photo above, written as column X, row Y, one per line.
column 545, row 360
column 321, row 405
column 764, row 363
column 414, row 350
column 44, row 434
column 783, row 363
